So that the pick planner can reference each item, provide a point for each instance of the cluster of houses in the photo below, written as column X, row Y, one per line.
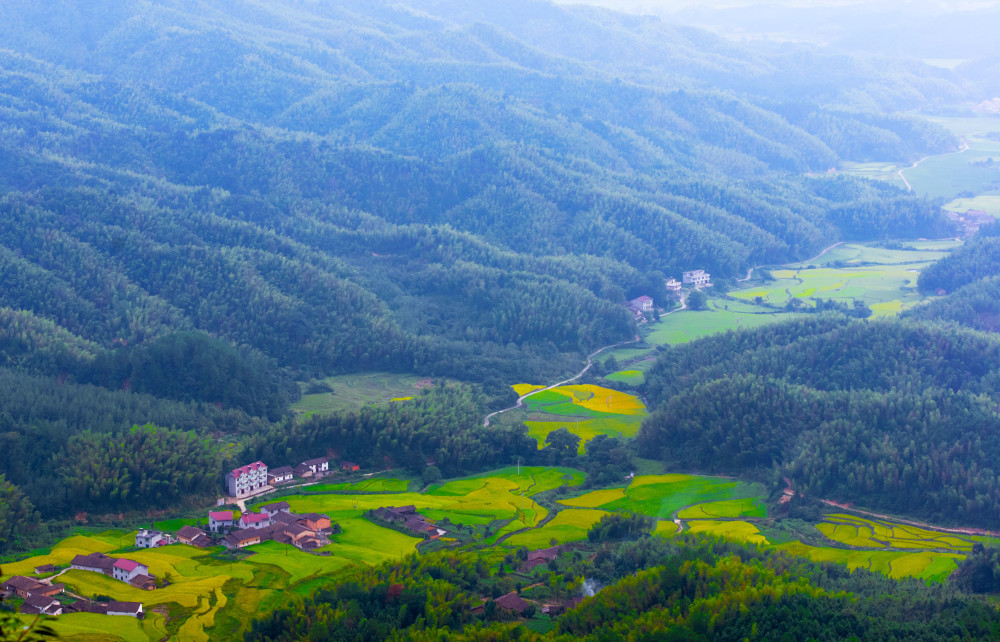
column 515, row 605
column 39, row 597
column 692, row 278
column 256, row 478
column 408, row 518
column 274, row 522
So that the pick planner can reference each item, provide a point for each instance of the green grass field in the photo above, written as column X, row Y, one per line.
column 932, row 567
column 356, row 390
column 989, row 203
column 633, row 377
column 662, row 495
column 746, row 507
column 374, row 485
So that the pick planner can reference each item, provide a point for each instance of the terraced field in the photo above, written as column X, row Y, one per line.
column 933, row 567
column 569, row 525
column 375, row 485
column 869, row 533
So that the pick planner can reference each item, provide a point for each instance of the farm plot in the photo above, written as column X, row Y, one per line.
column 746, row 507
column 585, row 411
column 632, row 377
column 688, row 325
column 663, row 495
column 744, row 532
column 374, row 485
column 569, row 525
column 356, row 390
column 932, row 567
column 869, row 533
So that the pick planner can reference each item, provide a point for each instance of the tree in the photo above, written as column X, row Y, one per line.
column 697, row 300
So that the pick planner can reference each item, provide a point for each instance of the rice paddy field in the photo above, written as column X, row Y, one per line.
column 870, row 533
column 932, row 567
column 584, row 410
column 374, row 485
column 570, row 524
column 988, row 202
column 663, row 496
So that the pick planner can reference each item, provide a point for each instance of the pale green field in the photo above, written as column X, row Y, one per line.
column 746, row 507
column 989, row 203
column 688, row 325
column 634, row 377
column 585, row 411
column 356, row 390
column 376, row 484
column 933, row 567
column 948, row 176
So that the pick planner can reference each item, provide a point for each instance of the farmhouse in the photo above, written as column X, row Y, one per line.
column 45, row 568
column 131, row 609
column 673, row 285
column 280, row 475
column 640, row 306
column 36, row 604
column 246, row 479
column 242, row 538
column 221, row 520
column 127, row 570
column 94, row 562
column 148, row 539
column 255, row 520
column 273, row 509
column 513, row 603
column 697, row 278
column 349, row 466
column 315, row 521
column 318, row 466
column 540, row 556
column 193, row 536
column 24, row 586
column 408, row 518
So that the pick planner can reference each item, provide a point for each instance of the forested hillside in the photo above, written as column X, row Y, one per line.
column 205, row 203
column 890, row 415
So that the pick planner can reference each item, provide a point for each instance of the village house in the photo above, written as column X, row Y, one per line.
column 242, row 538
column 319, row 466
column 127, row 570
column 697, row 278
column 640, row 306
column 273, row 509
column 94, row 562
column 254, row 520
column 246, row 480
column 130, row 609
column 409, row 518
column 220, row 520
column 539, row 557
column 45, row 569
column 513, row 603
column 349, row 466
column 21, row 586
column 673, row 285
column 194, row 537
column 280, row 475
column 36, row 604
column 315, row 521
column 148, row 538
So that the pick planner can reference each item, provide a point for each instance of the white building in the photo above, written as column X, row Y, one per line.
column 697, row 278
column 673, row 285
column 219, row 520
column 246, row 479
column 148, row 539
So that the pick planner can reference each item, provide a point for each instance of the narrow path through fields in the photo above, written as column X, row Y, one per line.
column 965, row 148
column 750, row 271
column 590, row 362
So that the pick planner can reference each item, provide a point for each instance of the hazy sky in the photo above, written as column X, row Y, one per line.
column 667, row 6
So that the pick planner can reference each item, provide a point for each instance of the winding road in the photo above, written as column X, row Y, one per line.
column 750, row 271
column 965, row 148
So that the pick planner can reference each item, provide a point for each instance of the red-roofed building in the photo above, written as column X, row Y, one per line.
column 126, row 570
column 220, row 520
column 245, row 480
column 349, row 466
column 255, row 520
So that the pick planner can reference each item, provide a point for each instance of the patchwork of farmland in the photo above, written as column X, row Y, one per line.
column 870, row 533
column 584, row 410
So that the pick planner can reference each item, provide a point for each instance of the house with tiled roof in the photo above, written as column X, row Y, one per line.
column 280, row 475
column 149, row 538
column 194, row 537
column 319, row 466
column 20, row 586
column 131, row 609
column 45, row 569
column 244, row 537
column 220, row 520
column 246, row 480
column 349, row 466
column 36, row 604
column 277, row 507
column 255, row 520
column 127, row 570
column 94, row 562
column 513, row 602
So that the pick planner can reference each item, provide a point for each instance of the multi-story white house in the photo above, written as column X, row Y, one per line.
column 318, row 466
column 127, row 570
column 697, row 278
column 220, row 520
column 246, row 479
column 673, row 285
